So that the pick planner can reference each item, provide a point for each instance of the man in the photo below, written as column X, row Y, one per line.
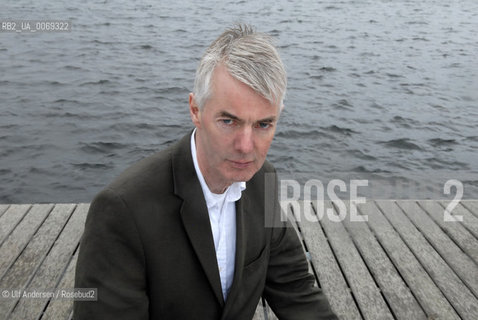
column 185, row 233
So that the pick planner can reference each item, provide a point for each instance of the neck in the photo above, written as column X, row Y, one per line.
column 215, row 185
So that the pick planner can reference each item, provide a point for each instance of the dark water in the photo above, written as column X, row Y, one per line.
column 380, row 90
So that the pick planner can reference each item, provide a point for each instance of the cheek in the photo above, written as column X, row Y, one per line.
column 263, row 147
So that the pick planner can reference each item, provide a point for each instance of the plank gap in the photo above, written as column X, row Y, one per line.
column 264, row 308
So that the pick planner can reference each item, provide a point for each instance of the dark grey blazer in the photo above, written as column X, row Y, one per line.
column 148, row 248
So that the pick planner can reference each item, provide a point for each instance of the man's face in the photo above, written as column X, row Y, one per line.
column 234, row 130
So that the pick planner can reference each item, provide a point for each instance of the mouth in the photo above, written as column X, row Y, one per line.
column 241, row 164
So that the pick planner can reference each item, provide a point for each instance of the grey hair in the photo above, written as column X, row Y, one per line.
column 249, row 57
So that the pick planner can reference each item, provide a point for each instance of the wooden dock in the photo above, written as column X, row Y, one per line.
column 405, row 262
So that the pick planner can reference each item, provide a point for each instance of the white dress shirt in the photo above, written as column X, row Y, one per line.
column 222, row 215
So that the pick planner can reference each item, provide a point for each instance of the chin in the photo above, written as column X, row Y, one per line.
column 243, row 177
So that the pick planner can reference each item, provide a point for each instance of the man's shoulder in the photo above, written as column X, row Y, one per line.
column 149, row 176
column 145, row 172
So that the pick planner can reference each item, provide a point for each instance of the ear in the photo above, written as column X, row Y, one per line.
column 194, row 110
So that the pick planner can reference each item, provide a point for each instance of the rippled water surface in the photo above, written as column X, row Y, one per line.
column 383, row 90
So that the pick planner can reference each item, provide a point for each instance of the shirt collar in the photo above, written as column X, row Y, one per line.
column 232, row 193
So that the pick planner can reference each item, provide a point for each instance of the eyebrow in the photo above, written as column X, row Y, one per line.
column 228, row 115
column 233, row 117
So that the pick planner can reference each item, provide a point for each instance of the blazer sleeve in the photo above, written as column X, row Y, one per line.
column 111, row 259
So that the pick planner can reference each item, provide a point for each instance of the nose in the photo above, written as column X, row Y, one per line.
column 244, row 142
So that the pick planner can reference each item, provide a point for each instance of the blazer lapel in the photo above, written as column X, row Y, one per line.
column 194, row 213
column 249, row 232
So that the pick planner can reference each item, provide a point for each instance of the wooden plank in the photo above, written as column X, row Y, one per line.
column 464, row 267
column 398, row 295
column 52, row 268
column 62, row 308
column 452, row 287
column 10, row 219
column 269, row 314
column 364, row 288
column 471, row 205
column 259, row 315
column 23, row 269
column 3, row 208
column 328, row 271
column 18, row 239
column 470, row 221
column 431, row 299
column 264, row 312
column 456, row 230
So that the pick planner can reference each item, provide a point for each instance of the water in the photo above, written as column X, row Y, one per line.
column 379, row 90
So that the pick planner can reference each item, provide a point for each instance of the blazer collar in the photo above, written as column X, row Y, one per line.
column 194, row 213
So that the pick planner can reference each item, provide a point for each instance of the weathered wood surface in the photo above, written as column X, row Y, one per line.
column 327, row 268
column 398, row 296
column 31, row 257
column 41, row 263
column 456, row 292
column 51, row 271
column 366, row 293
column 405, row 262
column 3, row 208
column 462, row 236
column 10, row 218
column 471, row 205
column 439, row 239
column 469, row 212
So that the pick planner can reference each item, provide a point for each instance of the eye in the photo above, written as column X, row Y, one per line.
column 226, row 121
column 264, row 125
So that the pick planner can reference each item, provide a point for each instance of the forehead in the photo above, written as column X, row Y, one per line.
column 235, row 97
